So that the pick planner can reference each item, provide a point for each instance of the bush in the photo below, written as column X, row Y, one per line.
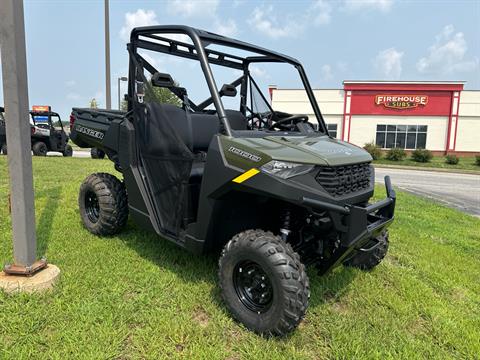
column 396, row 154
column 477, row 160
column 452, row 159
column 422, row 155
column 374, row 150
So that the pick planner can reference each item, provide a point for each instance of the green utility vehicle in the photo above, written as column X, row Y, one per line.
column 268, row 190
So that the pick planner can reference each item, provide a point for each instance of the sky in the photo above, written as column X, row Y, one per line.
column 335, row 41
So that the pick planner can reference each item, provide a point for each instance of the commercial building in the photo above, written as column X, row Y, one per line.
column 439, row 116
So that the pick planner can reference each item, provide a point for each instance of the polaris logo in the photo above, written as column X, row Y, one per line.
column 339, row 151
column 244, row 154
column 90, row 132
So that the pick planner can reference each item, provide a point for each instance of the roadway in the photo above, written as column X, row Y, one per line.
column 460, row 191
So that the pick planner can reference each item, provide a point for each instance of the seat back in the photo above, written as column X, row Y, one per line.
column 196, row 131
column 204, row 127
column 236, row 119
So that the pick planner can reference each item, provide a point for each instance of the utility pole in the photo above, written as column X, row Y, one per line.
column 108, row 90
column 15, row 92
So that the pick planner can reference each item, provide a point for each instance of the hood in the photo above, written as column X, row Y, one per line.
column 318, row 150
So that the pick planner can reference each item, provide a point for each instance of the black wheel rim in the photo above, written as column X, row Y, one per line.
column 253, row 286
column 92, row 208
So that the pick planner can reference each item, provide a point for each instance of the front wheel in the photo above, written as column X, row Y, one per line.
column 68, row 151
column 368, row 260
column 263, row 282
column 103, row 204
column 40, row 149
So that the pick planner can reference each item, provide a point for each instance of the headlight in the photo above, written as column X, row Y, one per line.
column 284, row 169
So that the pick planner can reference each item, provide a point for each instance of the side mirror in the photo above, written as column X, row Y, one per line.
column 162, row 80
column 228, row 90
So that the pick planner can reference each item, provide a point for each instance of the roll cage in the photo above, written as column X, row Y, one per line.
column 149, row 38
column 49, row 114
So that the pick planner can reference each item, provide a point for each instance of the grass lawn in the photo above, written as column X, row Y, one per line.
column 465, row 163
column 138, row 296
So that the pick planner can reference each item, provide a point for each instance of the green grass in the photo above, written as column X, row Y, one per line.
column 465, row 163
column 138, row 296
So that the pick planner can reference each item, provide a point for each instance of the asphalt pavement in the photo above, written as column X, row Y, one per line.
column 460, row 191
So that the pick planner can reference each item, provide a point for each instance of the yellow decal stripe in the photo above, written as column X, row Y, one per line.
column 246, row 175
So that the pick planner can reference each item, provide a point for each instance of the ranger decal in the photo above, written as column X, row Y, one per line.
column 244, row 154
column 90, row 132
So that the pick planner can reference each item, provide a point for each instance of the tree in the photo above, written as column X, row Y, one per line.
column 93, row 104
column 124, row 105
column 161, row 95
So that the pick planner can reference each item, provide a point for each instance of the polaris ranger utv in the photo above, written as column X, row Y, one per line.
column 45, row 136
column 262, row 186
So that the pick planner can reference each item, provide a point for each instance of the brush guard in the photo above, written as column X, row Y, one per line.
column 356, row 225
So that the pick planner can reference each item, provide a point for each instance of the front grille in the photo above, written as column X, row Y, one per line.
column 342, row 180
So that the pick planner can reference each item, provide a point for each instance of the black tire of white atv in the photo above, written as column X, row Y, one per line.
column 285, row 273
column 68, row 151
column 112, row 204
column 369, row 260
column 40, row 149
column 3, row 150
column 97, row 153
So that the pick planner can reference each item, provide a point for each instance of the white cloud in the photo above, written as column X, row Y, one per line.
column 135, row 19
column 447, row 54
column 227, row 28
column 258, row 72
column 193, row 8
column 321, row 11
column 70, row 83
column 388, row 63
column 326, row 72
column 265, row 21
column 382, row 5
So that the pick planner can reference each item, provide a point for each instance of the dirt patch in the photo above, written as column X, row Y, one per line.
column 201, row 317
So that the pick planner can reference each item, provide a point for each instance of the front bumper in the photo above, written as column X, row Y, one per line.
column 356, row 225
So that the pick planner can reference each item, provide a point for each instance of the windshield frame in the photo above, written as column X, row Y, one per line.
column 150, row 38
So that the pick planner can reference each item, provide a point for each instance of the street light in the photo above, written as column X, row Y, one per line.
column 122, row 78
column 108, row 91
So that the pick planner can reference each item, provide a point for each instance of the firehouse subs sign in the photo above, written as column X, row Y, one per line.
column 401, row 101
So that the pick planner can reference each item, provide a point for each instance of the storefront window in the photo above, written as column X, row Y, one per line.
column 401, row 136
column 332, row 130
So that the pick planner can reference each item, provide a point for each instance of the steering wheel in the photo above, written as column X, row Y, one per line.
column 283, row 124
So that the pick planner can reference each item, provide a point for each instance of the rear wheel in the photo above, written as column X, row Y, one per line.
column 97, row 153
column 39, row 149
column 3, row 150
column 263, row 282
column 103, row 204
column 68, row 151
column 368, row 260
